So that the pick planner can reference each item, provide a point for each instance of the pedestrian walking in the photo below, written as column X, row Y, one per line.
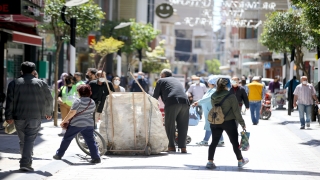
column 256, row 92
column 28, row 102
column 176, row 109
column 91, row 75
column 231, row 111
column 205, row 102
column 142, row 81
column 80, row 120
column 240, row 93
column 66, row 97
column 291, row 85
column 61, row 80
column 78, row 78
column 116, row 84
column 197, row 90
column 304, row 98
column 100, row 92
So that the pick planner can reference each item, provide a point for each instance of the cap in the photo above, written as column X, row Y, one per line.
column 256, row 78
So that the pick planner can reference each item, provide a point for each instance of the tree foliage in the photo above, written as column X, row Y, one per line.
column 284, row 31
column 213, row 66
column 88, row 17
column 156, row 60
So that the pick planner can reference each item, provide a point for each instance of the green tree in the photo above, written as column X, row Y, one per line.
column 284, row 31
column 88, row 17
column 213, row 66
column 156, row 60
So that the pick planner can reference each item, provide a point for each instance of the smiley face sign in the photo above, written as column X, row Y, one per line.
column 164, row 10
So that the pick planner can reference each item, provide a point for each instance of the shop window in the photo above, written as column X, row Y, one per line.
column 197, row 43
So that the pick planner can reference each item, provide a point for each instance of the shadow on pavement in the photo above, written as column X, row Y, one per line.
column 289, row 122
column 77, row 164
column 219, row 168
column 13, row 172
column 312, row 142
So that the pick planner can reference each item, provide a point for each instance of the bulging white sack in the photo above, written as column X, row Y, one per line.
column 126, row 113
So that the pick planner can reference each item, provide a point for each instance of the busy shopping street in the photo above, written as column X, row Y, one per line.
column 278, row 150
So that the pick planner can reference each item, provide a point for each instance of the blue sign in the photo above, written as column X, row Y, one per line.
column 267, row 65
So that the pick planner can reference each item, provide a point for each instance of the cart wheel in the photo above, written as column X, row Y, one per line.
column 188, row 140
column 266, row 115
column 147, row 151
column 100, row 142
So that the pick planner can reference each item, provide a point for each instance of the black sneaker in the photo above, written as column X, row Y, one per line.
column 56, row 157
column 26, row 168
column 95, row 161
column 302, row 127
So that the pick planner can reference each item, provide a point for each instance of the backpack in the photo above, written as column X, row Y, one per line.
column 216, row 115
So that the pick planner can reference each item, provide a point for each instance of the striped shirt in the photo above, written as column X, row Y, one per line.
column 85, row 118
column 305, row 93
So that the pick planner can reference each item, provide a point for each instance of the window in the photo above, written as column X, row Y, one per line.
column 248, row 33
column 197, row 43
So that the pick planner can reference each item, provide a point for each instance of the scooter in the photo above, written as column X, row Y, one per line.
column 265, row 112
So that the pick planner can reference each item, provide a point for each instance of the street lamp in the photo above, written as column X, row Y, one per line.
column 73, row 25
column 120, row 38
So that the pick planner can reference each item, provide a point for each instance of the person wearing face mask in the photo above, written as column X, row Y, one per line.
column 100, row 92
column 197, row 90
column 142, row 81
column 78, row 79
column 116, row 85
column 256, row 92
column 68, row 93
column 239, row 92
column 304, row 97
column 205, row 102
column 91, row 74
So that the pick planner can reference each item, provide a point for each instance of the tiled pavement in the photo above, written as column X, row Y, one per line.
column 279, row 150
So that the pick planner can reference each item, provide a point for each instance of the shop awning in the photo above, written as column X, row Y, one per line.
column 22, row 33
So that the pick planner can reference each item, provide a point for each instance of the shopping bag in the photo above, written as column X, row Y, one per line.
column 194, row 117
column 244, row 143
column 9, row 128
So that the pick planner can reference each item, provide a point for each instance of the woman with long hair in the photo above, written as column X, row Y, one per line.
column 231, row 111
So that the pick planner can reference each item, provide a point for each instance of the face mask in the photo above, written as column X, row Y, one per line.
column 196, row 82
column 87, row 76
column 304, row 82
column 68, row 82
column 102, row 79
column 139, row 77
column 234, row 82
column 116, row 82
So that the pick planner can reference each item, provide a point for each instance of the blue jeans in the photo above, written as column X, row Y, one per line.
column 255, row 111
column 304, row 109
column 87, row 133
column 208, row 134
column 27, row 132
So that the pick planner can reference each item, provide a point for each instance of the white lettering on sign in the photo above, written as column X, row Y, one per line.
column 193, row 3
column 249, row 5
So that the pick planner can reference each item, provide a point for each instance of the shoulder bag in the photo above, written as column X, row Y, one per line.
column 65, row 125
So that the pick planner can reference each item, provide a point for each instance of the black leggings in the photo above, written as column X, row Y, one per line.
column 231, row 129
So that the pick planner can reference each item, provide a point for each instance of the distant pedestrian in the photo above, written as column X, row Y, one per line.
column 197, row 90
column 28, row 102
column 91, row 75
column 176, row 109
column 61, row 81
column 80, row 120
column 100, row 92
column 240, row 93
column 116, row 85
column 256, row 92
column 205, row 102
column 231, row 111
column 78, row 78
column 292, row 84
column 142, row 81
column 304, row 98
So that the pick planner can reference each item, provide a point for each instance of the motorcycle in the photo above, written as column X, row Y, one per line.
column 265, row 112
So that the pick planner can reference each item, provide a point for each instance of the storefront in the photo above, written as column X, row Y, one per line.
column 19, row 39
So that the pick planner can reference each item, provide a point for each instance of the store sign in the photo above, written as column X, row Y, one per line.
column 9, row 7
column 231, row 11
column 164, row 10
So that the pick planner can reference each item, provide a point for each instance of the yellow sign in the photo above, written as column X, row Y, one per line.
column 316, row 56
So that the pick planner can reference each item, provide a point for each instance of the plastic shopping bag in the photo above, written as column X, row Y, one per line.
column 194, row 117
column 244, row 143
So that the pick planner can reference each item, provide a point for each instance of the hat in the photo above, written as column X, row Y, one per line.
column 256, row 78
column 213, row 80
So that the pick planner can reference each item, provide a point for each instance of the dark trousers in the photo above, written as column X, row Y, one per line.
column 27, row 132
column 177, row 113
column 232, row 131
column 87, row 133
column 199, row 110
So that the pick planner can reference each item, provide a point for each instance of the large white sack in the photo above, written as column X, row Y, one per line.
column 128, row 109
